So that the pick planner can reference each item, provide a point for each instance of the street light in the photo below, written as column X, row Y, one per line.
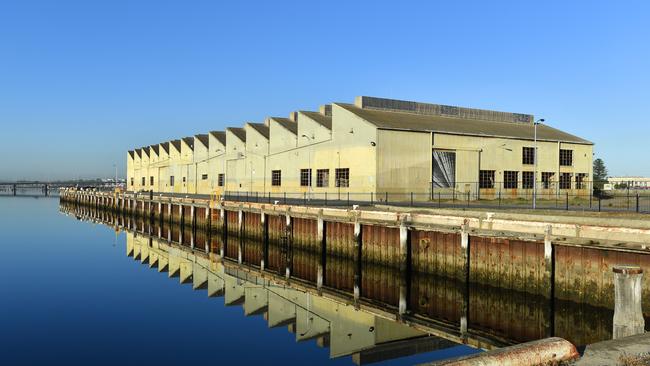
column 309, row 164
column 535, row 162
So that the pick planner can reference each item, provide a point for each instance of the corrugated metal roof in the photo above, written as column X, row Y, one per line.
column 220, row 136
column 131, row 153
column 155, row 148
column 239, row 132
column 138, row 152
column 203, row 138
column 459, row 126
column 165, row 146
column 189, row 141
column 325, row 121
column 176, row 144
column 287, row 123
column 261, row 128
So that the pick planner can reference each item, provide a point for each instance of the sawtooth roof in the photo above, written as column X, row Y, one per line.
column 203, row 138
column 261, row 128
column 459, row 126
column 239, row 132
column 287, row 123
column 176, row 144
column 189, row 141
column 325, row 121
column 165, row 146
column 220, row 136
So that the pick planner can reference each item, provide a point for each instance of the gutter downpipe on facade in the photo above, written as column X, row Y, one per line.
column 309, row 166
column 535, row 123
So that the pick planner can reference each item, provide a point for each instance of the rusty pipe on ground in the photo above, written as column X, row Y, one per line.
column 545, row 351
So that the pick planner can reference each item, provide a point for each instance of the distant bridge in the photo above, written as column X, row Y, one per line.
column 45, row 188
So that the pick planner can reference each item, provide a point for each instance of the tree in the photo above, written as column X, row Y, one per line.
column 600, row 174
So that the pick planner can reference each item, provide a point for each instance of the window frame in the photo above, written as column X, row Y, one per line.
column 510, row 179
column 484, row 183
column 527, row 180
column 563, row 182
column 276, row 178
column 306, row 177
column 566, row 157
column 320, row 181
column 221, row 179
column 342, row 177
column 547, row 179
column 528, row 155
column 204, row 177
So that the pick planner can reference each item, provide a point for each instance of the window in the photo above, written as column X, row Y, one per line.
column 528, row 155
column 547, row 178
column 342, row 177
column 527, row 180
column 132, row 182
column 220, row 179
column 151, row 180
column 510, row 179
column 204, row 177
column 565, row 181
column 486, row 179
column 566, row 157
column 171, row 180
column 184, row 179
column 305, row 177
column 322, row 178
column 143, row 181
column 276, row 178
column 580, row 180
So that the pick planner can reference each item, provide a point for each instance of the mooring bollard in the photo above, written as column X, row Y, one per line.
column 628, row 316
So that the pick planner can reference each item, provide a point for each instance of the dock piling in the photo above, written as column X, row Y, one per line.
column 628, row 316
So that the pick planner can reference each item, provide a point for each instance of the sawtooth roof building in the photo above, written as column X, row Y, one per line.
column 372, row 149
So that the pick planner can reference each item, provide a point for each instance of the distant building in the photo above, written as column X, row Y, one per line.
column 627, row 183
column 373, row 146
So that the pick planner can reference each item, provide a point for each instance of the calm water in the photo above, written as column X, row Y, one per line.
column 70, row 295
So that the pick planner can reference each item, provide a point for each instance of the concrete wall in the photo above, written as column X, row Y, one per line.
column 403, row 161
column 216, row 160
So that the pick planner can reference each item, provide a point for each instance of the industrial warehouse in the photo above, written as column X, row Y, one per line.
column 373, row 148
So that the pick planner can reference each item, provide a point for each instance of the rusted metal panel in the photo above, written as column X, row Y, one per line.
column 252, row 251
column 380, row 283
column 339, row 272
column 276, row 227
column 253, row 227
column 232, row 246
column 436, row 253
column 232, row 222
column 305, row 233
column 584, row 275
column 305, row 264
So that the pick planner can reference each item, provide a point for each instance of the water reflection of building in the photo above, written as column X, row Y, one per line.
column 345, row 329
column 474, row 312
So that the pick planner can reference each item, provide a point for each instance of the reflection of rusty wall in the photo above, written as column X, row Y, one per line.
column 584, row 275
column 380, row 245
column 436, row 297
column 509, row 264
column 339, row 273
column 437, row 253
column 513, row 315
column 380, row 283
column 276, row 259
column 583, row 324
column 305, row 264
column 252, row 251
column 232, row 246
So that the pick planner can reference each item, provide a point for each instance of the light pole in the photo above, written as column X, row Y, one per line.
column 115, row 181
column 309, row 165
column 535, row 162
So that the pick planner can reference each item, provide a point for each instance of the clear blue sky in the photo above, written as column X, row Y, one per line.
column 83, row 81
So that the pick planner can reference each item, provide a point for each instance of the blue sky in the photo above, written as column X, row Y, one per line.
column 82, row 81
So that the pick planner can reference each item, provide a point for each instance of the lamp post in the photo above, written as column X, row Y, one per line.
column 309, row 165
column 535, row 162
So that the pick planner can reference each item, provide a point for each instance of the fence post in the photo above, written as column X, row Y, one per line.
column 467, row 198
column 285, row 197
column 386, row 199
column 591, row 194
column 637, row 202
column 325, row 198
column 304, row 198
column 348, row 198
column 499, row 197
column 439, row 200
column 372, row 201
column 567, row 200
column 411, row 199
column 599, row 203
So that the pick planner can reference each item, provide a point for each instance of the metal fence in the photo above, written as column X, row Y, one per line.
column 623, row 201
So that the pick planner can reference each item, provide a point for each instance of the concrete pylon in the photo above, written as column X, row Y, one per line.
column 628, row 315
